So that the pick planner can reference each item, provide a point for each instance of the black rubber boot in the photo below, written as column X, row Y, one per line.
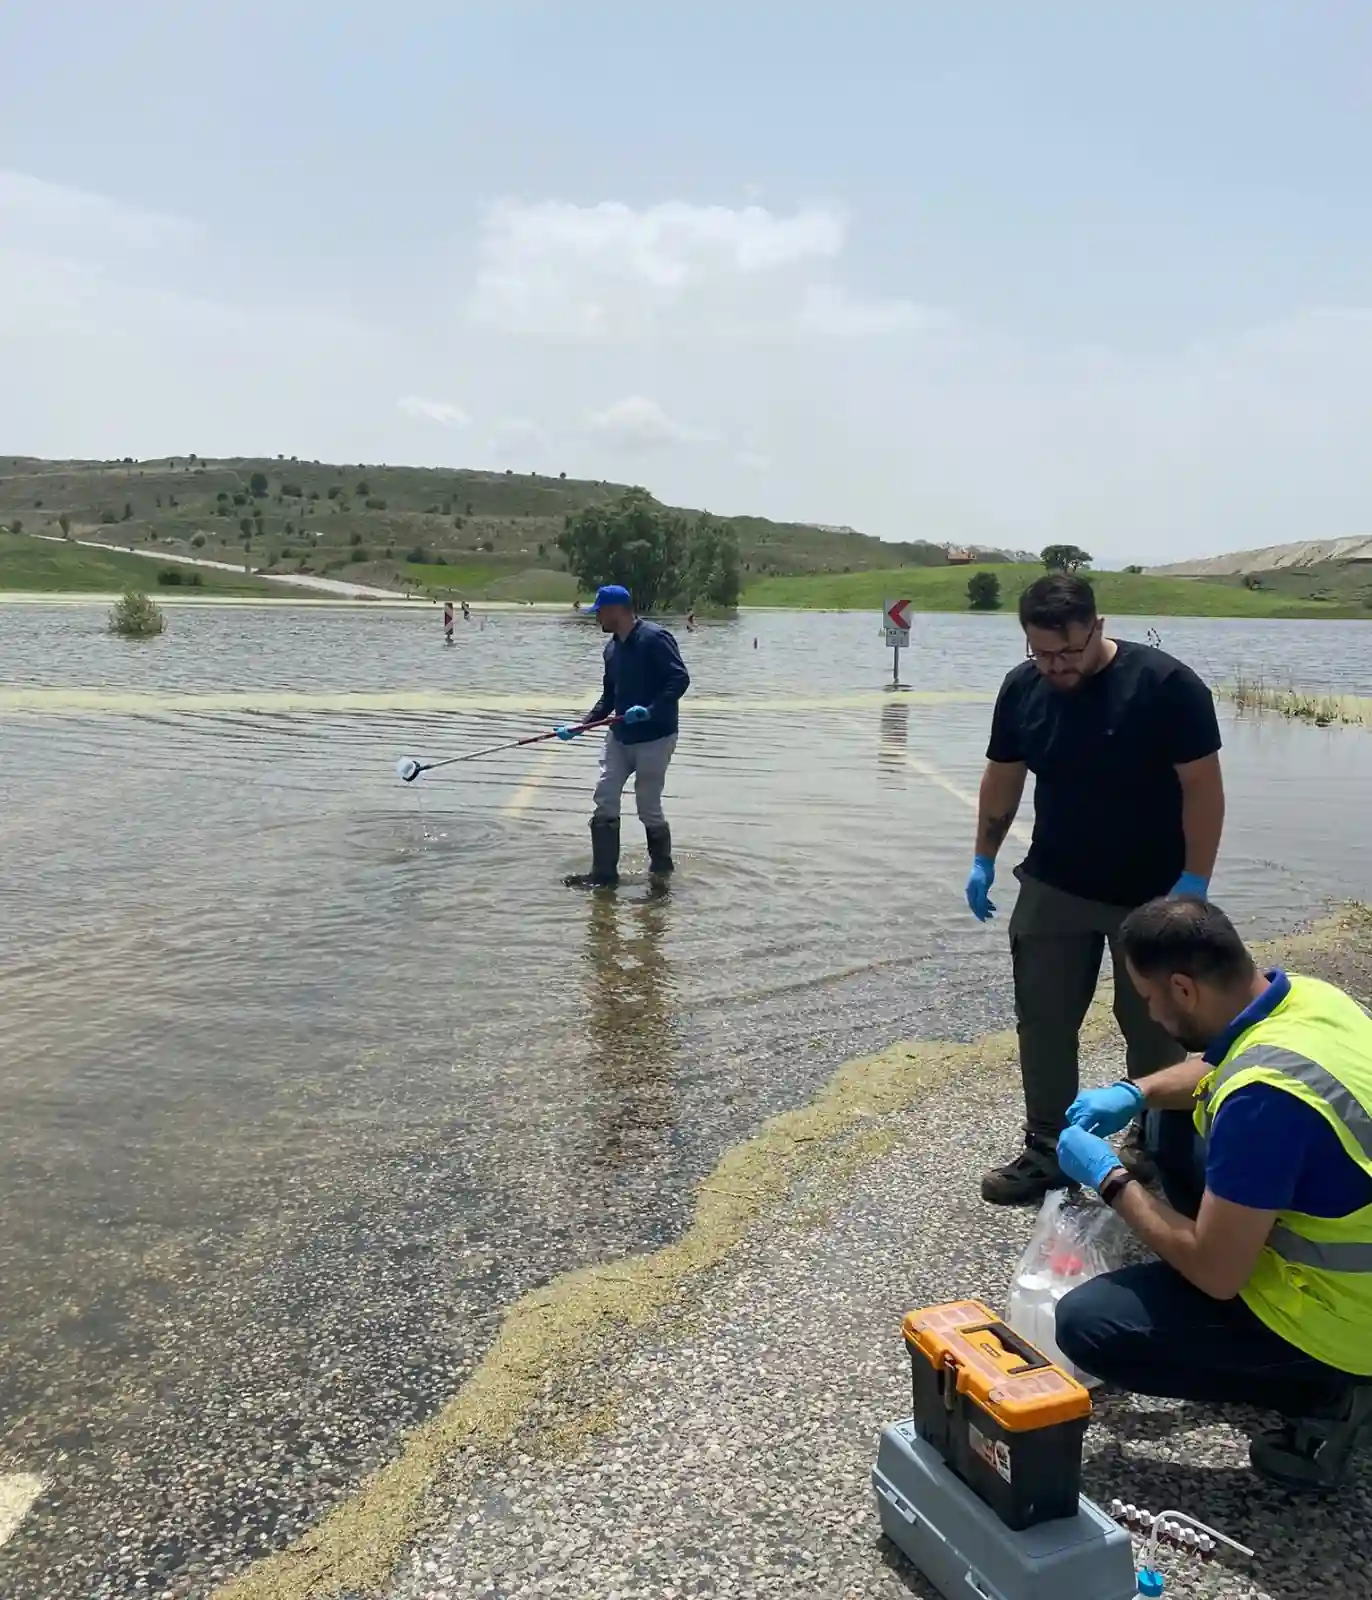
column 660, row 861
column 604, row 873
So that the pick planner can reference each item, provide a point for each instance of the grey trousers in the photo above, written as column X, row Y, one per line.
column 647, row 764
column 1056, row 945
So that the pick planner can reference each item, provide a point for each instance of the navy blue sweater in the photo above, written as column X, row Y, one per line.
column 644, row 669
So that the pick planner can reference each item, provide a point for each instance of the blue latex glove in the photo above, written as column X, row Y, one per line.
column 1106, row 1110
column 979, row 881
column 570, row 733
column 1085, row 1157
column 1190, row 883
column 636, row 714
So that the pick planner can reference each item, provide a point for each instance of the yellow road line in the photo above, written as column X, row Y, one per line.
column 520, row 800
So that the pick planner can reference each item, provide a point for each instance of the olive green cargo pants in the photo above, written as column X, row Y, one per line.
column 1056, row 945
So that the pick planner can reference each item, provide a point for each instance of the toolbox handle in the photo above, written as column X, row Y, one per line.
column 1033, row 1359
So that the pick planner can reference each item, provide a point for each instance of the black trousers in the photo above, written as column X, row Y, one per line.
column 1057, row 943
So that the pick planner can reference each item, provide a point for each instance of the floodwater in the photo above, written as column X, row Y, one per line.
column 304, row 1073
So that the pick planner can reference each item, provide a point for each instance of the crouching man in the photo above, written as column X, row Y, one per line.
column 1263, row 1293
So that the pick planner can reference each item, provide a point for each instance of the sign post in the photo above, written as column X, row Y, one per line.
column 895, row 617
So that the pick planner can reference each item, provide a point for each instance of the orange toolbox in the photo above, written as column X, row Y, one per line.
column 1004, row 1418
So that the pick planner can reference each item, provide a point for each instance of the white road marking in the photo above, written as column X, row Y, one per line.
column 18, row 1491
column 944, row 782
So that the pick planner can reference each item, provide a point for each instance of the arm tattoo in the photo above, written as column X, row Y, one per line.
column 996, row 828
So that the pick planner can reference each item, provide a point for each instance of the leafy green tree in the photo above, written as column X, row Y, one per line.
column 257, row 485
column 363, row 488
column 634, row 541
column 1064, row 557
column 17, row 526
column 714, row 573
column 128, row 511
column 245, row 527
column 983, row 591
column 64, row 522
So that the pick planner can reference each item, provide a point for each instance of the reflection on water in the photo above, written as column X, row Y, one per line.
column 633, row 1025
column 304, row 1072
column 894, row 742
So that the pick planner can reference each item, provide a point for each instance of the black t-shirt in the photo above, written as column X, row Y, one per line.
column 1107, row 800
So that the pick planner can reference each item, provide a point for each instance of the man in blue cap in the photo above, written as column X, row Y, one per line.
column 645, row 678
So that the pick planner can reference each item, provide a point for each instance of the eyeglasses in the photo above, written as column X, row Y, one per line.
column 1062, row 658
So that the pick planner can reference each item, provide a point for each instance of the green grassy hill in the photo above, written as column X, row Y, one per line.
column 479, row 535
column 1342, row 583
column 1121, row 593
column 39, row 565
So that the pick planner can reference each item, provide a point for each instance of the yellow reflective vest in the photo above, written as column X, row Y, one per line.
column 1313, row 1281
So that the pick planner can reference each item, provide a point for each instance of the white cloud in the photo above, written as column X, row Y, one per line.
column 638, row 423
column 36, row 215
column 828, row 309
column 608, row 271
column 442, row 412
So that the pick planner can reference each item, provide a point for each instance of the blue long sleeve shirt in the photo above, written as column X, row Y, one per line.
column 643, row 669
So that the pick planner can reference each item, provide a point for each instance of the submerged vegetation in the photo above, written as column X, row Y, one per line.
column 134, row 616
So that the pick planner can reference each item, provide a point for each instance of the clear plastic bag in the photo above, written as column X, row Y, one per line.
column 1076, row 1238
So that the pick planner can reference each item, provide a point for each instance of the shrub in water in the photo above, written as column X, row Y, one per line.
column 134, row 616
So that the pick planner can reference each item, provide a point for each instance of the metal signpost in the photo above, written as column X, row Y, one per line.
column 895, row 617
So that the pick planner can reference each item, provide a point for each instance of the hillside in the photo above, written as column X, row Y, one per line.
column 479, row 535
column 1273, row 558
column 1118, row 593
column 45, row 566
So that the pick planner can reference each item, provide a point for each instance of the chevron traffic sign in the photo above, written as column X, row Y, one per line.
column 895, row 616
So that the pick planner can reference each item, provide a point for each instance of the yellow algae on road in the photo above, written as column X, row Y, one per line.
column 551, row 1332
column 117, row 702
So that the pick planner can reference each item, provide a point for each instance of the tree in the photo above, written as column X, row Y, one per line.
column 1064, row 557
column 128, row 511
column 363, row 488
column 634, row 541
column 17, row 526
column 713, row 570
column 64, row 522
column 245, row 527
column 983, row 591
column 257, row 485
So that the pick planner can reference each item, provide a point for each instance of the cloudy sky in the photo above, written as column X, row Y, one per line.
column 993, row 272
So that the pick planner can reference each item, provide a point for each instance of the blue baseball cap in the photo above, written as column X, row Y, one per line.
column 610, row 594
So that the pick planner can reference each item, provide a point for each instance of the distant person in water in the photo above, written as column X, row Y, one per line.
column 448, row 621
column 645, row 679
column 690, row 622
column 466, row 612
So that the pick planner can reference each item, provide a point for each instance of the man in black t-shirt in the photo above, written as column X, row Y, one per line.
column 1124, row 744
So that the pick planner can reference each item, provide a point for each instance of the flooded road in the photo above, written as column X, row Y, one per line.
column 305, row 1074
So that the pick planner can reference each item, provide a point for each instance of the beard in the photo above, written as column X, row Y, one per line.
column 1190, row 1040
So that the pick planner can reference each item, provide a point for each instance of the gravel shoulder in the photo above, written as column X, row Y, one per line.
column 724, row 1448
